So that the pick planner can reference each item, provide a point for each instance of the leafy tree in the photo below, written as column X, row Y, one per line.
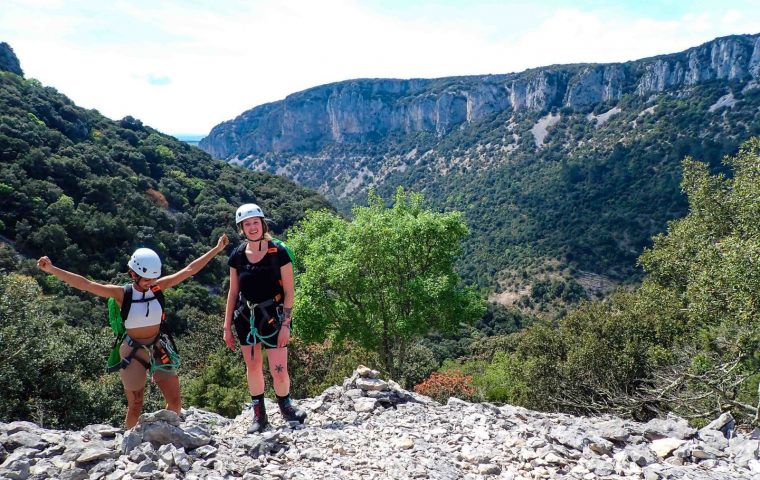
column 686, row 340
column 710, row 260
column 382, row 279
column 49, row 371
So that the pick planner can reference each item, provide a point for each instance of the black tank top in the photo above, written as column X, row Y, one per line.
column 259, row 281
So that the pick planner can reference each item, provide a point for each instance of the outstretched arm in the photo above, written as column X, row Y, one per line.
column 194, row 267
column 79, row 282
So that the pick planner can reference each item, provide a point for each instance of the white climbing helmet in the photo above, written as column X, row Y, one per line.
column 145, row 262
column 247, row 211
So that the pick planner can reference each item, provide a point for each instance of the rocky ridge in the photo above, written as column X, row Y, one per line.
column 9, row 61
column 367, row 110
column 371, row 428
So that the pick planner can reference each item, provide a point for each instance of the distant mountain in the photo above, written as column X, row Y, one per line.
column 563, row 171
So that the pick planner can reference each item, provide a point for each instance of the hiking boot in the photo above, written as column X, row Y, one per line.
column 289, row 411
column 260, row 420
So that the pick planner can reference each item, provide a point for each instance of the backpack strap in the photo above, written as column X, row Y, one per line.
column 126, row 302
column 274, row 261
column 159, row 294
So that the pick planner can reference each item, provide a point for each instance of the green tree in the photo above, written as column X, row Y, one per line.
column 711, row 261
column 383, row 279
column 49, row 370
column 220, row 386
column 687, row 340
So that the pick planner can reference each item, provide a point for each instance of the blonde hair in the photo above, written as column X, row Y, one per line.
column 264, row 226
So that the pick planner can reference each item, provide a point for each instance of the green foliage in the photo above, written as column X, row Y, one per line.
column 686, row 340
column 496, row 380
column 313, row 367
column 50, row 373
column 221, row 384
column 87, row 191
column 382, row 279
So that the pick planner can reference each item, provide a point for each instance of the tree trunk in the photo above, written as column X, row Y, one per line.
column 388, row 350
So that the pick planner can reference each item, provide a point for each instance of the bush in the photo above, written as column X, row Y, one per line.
column 441, row 386
column 221, row 385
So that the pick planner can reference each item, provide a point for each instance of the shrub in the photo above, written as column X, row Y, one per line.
column 440, row 386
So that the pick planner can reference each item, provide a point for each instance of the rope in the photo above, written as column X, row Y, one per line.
column 254, row 336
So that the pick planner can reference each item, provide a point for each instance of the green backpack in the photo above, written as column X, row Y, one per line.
column 284, row 245
column 117, row 326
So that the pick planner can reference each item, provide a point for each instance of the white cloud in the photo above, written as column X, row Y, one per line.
column 224, row 59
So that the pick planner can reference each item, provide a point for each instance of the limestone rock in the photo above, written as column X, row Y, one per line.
column 356, row 112
column 408, row 439
column 665, row 446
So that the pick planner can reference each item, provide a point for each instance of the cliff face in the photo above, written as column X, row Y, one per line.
column 8, row 60
column 357, row 111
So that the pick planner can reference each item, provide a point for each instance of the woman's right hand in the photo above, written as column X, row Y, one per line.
column 45, row 265
column 229, row 339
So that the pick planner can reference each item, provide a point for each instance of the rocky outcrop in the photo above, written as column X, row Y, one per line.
column 371, row 428
column 729, row 58
column 8, row 60
column 369, row 110
column 356, row 111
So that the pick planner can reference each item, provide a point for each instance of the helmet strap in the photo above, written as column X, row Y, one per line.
column 136, row 281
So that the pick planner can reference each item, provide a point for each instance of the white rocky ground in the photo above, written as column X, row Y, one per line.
column 368, row 428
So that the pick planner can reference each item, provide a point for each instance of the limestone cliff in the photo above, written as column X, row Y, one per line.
column 367, row 110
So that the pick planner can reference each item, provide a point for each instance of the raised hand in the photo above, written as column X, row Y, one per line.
column 223, row 242
column 45, row 264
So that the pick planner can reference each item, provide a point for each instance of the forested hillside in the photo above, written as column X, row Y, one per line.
column 87, row 191
column 685, row 341
column 563, row 172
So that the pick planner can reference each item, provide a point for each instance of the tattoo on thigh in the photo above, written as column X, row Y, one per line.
column 279, row 368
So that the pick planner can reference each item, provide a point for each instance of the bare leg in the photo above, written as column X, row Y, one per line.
column 133, row 379
column 169, row 385
column 135, row 399
column 278, row 367
column 254, row 368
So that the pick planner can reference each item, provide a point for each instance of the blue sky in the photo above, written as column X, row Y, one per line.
column 185, row 66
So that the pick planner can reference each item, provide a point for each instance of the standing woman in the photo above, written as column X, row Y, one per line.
column 259, row 305
column 143, row 321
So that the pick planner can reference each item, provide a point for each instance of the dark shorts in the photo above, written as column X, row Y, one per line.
column 266, row 331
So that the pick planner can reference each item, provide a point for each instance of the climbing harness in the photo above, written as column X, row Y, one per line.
column 162, row 352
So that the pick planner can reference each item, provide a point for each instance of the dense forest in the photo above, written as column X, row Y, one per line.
column 686, row 340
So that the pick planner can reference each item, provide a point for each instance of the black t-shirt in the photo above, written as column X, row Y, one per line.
column 259, row 281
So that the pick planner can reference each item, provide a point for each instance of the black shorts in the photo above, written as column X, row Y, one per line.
column 266, row 331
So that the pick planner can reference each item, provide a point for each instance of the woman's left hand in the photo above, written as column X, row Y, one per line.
column 283, row 338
